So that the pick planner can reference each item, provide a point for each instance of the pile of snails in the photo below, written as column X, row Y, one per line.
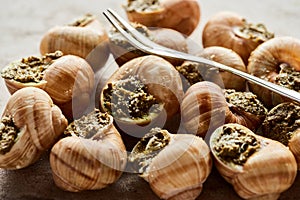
column 176, row 118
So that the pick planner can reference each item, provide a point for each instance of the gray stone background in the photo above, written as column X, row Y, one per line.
column 22, row 24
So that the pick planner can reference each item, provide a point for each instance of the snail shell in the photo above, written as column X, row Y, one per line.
column 232, row 31
column 85, row 38
column 179, row 167
column 69, row 80
column 282, row 123
column 180, row 15
column 257, row 167
column 123, row 51
column 162, row 82
column 205, row 107
column 277, row 61
column 38, row 124
column 195, row 72
column 88, row 163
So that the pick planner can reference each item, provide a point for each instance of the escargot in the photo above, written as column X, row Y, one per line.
column 230, row 30
column 91, row 157
column 175, row 165
column 205, row 107
column 123, row 51
column 277, row 61
column 143, row 92
column 180, row 15
column 85, row 37
column 282, row 124
column 257, row 167
column 69, row 79
column 29, row 126
column 196, row 72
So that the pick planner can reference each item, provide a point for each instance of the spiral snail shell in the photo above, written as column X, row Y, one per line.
column 175, row 165
column 277, row 61
column 206, row 106
column 257, row 167
column 69, row 79
column 228, row 29
column 180, row 15
column 30, row 125
column 142, row 94
column 92, row 158
column 85, row 37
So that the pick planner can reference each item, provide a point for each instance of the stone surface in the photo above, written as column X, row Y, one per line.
column 22, row 24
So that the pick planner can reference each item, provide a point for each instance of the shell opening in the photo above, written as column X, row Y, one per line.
column 246, row 101
column 235, row 146
column 191, row 72
column 281, row 122
column 147, row 148
column 143, row 5
column 254, row 32
column 30, row 69
column 8, row 134
column 288, row 77
column 88, row 125
column 83, row 21
column 128, row 98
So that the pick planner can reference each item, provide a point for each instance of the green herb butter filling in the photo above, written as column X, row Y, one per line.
column 8, row 134
column 288, row 77
column 281, row 122
column 246, row 101
column 147, row 148
column 235, row 146
column 143, row 5
column 129, row 98
column 254, row 32
column 191, row 72
column 83, row 21
column 88, row 125
column 30, row 69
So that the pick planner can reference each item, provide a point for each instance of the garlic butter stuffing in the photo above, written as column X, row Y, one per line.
column 235, row 146
column 282, row 124
column 129, row 98
column 30, row 69
column 88, row 125
column 288, row 77
column 143, row 5
column 8, row 134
